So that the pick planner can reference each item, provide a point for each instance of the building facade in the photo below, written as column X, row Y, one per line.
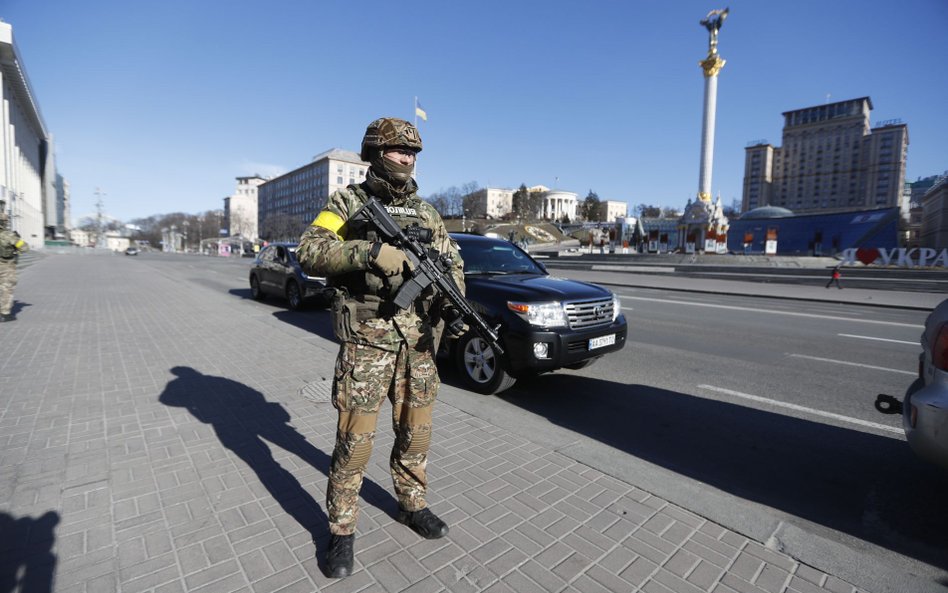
column 934, row 232
column 27, row 170
column 610, row 210
column 831, row 160
column 63, row 209
column 489, row 202
column 558, row 204
column 916, row 191
column 774, row 230
column 240, row 209
column 287, row 204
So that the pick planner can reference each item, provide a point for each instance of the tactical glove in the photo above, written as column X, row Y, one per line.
column 453, row 322
column 389, row 260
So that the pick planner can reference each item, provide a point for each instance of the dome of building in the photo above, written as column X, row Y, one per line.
column 766, row 212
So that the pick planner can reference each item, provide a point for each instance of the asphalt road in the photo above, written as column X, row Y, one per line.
column 766, row 409
column 756, row 413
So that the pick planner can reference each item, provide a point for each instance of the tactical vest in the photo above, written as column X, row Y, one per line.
column 370, row 282
column 8, row 241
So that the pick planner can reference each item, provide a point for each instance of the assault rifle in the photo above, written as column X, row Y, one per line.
column 428, row 268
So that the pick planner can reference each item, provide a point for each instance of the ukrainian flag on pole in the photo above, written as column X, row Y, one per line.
column 419, row 111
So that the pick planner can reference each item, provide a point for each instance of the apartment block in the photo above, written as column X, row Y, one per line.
column 934, row 233
column 287, row 204
column 611, row 209
column 489, row 202
column 240, row 209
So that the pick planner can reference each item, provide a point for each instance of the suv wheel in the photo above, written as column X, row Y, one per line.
column 480, row 367
column 293, row 296
column 255, row 291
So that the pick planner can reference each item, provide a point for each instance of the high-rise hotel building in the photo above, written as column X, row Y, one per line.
column 831, row 160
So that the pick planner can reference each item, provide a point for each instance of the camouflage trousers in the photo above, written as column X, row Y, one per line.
column 7, row 283
column 364, row 376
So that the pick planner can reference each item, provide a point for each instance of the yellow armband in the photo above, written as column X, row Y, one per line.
column 329, row 220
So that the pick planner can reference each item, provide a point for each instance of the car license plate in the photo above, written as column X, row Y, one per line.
column 602, row 341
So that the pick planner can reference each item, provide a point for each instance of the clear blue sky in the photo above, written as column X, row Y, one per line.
column 162, row 103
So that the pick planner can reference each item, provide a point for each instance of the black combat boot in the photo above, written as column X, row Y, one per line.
column 7, row 317
column 339, row 556
column 424, row 523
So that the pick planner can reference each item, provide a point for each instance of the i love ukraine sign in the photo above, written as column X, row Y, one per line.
column 914, row 257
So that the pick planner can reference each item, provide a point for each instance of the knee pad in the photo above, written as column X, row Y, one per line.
column 354, row 455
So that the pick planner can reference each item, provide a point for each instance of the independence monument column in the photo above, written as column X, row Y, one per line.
column 711, row 66
column 703, row 227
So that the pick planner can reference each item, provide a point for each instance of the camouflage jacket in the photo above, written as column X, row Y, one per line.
column 11, row 243
column 335, row 248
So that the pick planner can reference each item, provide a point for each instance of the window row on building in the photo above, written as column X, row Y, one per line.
column 831, row 160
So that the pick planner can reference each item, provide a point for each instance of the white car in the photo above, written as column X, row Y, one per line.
column 925, row 406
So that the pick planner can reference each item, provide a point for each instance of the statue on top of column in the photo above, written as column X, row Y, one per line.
column 713, row 23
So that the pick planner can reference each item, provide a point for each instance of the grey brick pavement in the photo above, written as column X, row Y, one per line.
column 156, row 436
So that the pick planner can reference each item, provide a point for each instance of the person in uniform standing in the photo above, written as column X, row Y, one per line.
column 384, row 351
column 11, row 245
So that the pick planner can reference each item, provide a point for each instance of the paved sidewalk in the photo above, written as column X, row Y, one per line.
column 145, row 447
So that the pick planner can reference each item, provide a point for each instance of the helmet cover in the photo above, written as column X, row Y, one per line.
column 389, row 132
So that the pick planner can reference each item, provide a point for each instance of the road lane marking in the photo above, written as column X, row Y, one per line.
column 853, row 364
column 774, row 311
column 789, row 406
column 879, row 339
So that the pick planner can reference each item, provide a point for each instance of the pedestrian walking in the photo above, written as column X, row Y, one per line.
column 384, row 351
column 11, row 245
column 834, row 277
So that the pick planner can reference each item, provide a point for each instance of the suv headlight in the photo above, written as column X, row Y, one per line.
column 540, row 314
column 616, row 307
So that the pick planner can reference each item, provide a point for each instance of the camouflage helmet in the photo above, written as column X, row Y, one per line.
column 389, row 132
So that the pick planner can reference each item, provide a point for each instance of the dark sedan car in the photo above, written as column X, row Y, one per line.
column 546, row 323
column 276, row 271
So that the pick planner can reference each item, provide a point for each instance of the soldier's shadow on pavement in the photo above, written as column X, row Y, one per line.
column 856, row 482
column 18, row 307
column 244, row 421
column 27, row 562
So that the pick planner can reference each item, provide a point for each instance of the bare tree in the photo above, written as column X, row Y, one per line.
column 282, row 227
column 648, row 211
column 733, row 211
column 450, row 202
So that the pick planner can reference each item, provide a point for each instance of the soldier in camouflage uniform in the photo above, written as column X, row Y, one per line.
column 384, row 351
column 10, row 245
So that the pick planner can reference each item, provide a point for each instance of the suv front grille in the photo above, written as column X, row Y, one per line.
column 586, row 314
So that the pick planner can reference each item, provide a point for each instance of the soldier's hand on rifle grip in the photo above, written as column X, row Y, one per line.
column 454, row 323
column 389, row 260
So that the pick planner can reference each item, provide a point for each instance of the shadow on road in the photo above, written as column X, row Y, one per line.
column 243, row 293
column 316, row 321
column 869, row 486
column 27, row 562
column 244, row 422
column 18, row 307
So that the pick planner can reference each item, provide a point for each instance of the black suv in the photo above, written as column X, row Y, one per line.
column 276, row 271
column 546, row 323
